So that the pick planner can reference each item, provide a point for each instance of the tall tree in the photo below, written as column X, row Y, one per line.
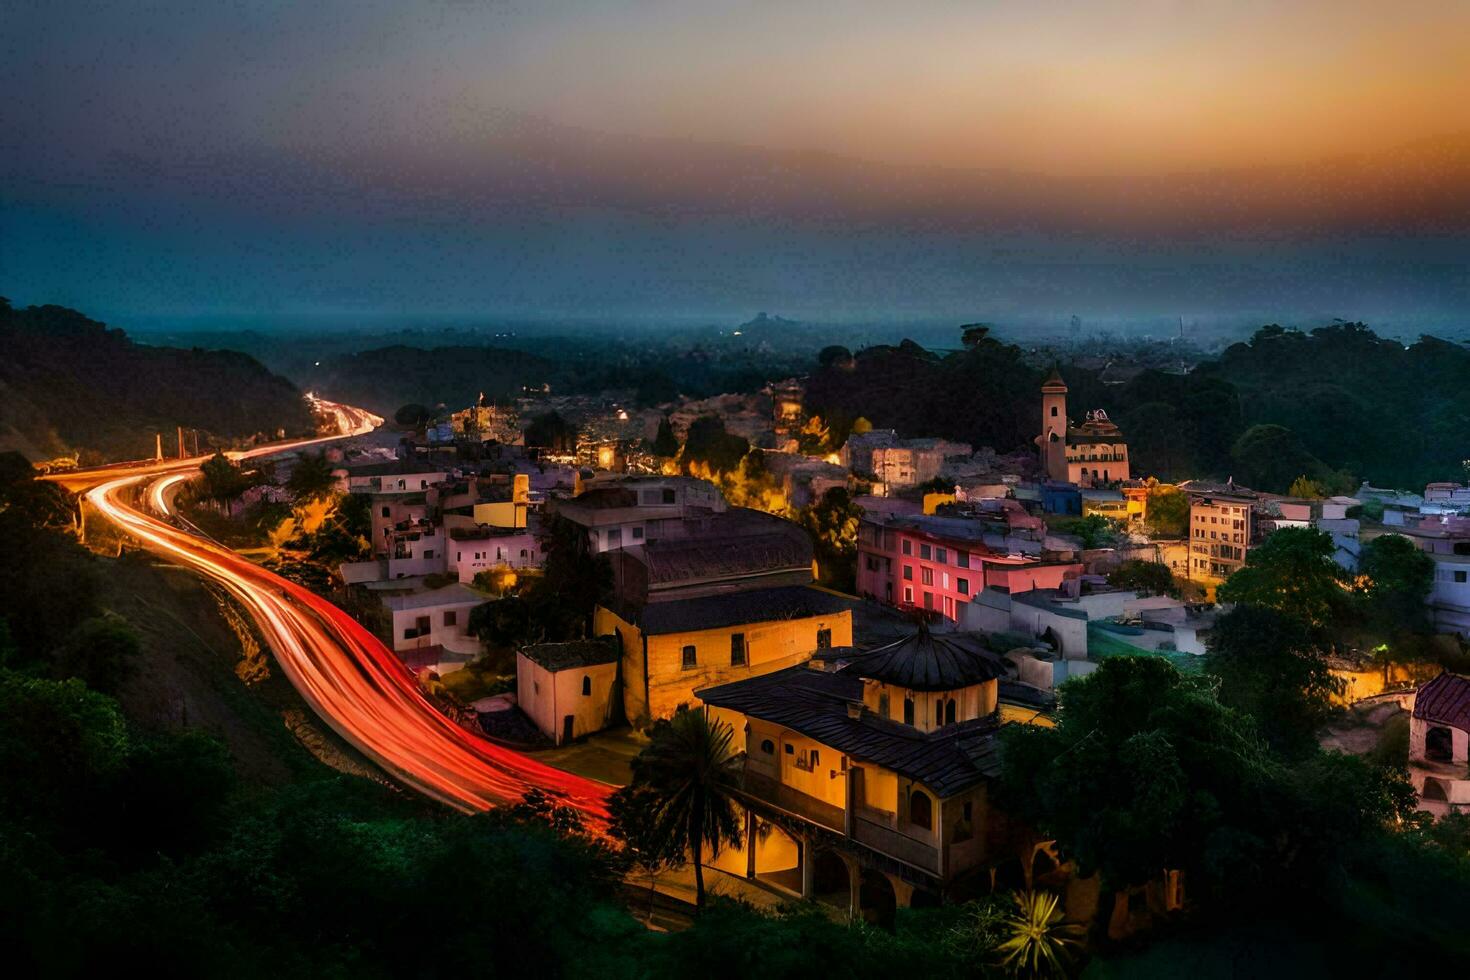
column 1293, row 571
column 311, row 478
column 1268, row 667
column 683, row 791
column 665, row 443
column 1400, row 577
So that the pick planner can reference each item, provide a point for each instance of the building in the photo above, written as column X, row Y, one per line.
column 504, row 502
column 940, row 563
column 1439, row 744
column 894, row 463
column 434, row 625
column 876, row 775
column 731, row 600
column 631, row 511
column 1092, row 454
column 1446, row 540
column 398, row 474
column 568, row 689
column 1221, row 529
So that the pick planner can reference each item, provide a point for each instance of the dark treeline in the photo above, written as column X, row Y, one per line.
column 1337, row 405
column 70, row 383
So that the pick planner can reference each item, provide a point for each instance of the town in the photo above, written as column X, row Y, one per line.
column 671, row 490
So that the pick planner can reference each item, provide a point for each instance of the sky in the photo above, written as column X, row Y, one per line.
column 467, row 158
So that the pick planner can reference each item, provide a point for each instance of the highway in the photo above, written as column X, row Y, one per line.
column 350, row 678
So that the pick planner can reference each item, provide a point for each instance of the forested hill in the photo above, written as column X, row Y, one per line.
column 68, row 383
column 385, row 378
column 1338, row 405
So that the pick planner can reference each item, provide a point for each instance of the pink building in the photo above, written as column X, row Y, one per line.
column 940, row 564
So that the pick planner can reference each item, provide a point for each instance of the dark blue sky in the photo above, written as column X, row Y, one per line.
column 661, row 161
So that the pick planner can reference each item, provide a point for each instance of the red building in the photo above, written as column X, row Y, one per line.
column 939, row 564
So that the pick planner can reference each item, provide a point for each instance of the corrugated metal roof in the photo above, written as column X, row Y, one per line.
column 1445, row 700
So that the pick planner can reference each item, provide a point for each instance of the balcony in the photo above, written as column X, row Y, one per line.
column 794, row 802
column 882, row 837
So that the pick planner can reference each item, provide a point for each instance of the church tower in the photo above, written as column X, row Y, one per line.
column 1053, row 440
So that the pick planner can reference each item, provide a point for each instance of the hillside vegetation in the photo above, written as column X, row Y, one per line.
column 68, row 383
column 1338, row 404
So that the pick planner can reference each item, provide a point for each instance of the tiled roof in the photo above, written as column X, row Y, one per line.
column 572, row 654
column 735, row 608
column 927, row 661
column 816, row 704
column 723, row 557
column 1445, row 700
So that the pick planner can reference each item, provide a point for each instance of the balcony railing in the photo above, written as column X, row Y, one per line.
column 920, row 854
column 794, row 801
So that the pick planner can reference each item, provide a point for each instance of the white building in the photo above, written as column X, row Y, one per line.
column 438, row 618
column 568, row 689
column 1439, row 744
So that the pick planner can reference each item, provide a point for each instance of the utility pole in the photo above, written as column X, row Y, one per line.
column 181, row 442
column 158, row 447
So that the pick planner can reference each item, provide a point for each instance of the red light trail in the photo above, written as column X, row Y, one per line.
column 349, row 677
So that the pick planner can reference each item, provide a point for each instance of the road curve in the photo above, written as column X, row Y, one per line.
column 350, row 678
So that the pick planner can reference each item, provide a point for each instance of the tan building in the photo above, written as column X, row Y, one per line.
column 729, row 599
column 1220, row 529
column 878, row 772
column 568, row 689
column 1092, row 454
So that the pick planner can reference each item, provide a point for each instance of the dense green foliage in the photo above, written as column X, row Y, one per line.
column 553, row 606
column 1292, row 571
column 707, row 443
column 1268, row 667
column 665, row 443
column 311, row 478
column 832, row 521
column 73, row 384
column 1147, row 577
column 1338, row 400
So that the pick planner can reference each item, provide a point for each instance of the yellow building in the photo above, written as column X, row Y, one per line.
column 567, row 688
column 878, row 770
column 1091, row 454
column 509, row 512
column 672, row 647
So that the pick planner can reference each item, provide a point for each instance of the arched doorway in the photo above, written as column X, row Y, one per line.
column 876, row 899
column 1434, row 790
column 831, row 881
column 1439, row 744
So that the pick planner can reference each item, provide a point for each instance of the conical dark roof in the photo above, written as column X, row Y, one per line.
column 925, row 661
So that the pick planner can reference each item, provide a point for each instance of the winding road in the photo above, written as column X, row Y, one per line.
column 349, row 677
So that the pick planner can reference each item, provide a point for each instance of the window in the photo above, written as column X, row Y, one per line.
column 921, row 810
column 451, row 617
column 926, row 576
column 1439, row 745
column 737, row 649
column 790, row 749
column 586, row 686
column 687, row 658
column 941, row 556
column 908, row 573
column 882, row 704
column 962, row 559
column 963, row 585
column 1053, row 411
column 768, row 747
column 908, row 595
column 637, row 534
column 1461, row 577
column 928, row 600
column 429, row 553
column 824, row 639
column 908, row 711
column 925, row 552
column 615, row 538
column 950, row 710
column 385, row 511
column 908, row 546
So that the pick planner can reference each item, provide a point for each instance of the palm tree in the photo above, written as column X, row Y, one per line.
column 687, row 778
column 1038, row 944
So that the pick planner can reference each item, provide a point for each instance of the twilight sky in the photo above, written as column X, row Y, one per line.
column 652, row 159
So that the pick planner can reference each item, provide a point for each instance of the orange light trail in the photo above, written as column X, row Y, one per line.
column 349, row 677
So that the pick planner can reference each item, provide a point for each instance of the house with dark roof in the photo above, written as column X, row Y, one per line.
column 878, row 765
column 1439, row 744
column 569, row 689
column 733, row 600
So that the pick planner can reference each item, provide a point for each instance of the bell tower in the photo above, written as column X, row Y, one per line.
column 1053, row 441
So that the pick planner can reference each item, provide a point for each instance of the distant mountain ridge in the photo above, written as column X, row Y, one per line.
column 386, row 378
column 70, row 384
